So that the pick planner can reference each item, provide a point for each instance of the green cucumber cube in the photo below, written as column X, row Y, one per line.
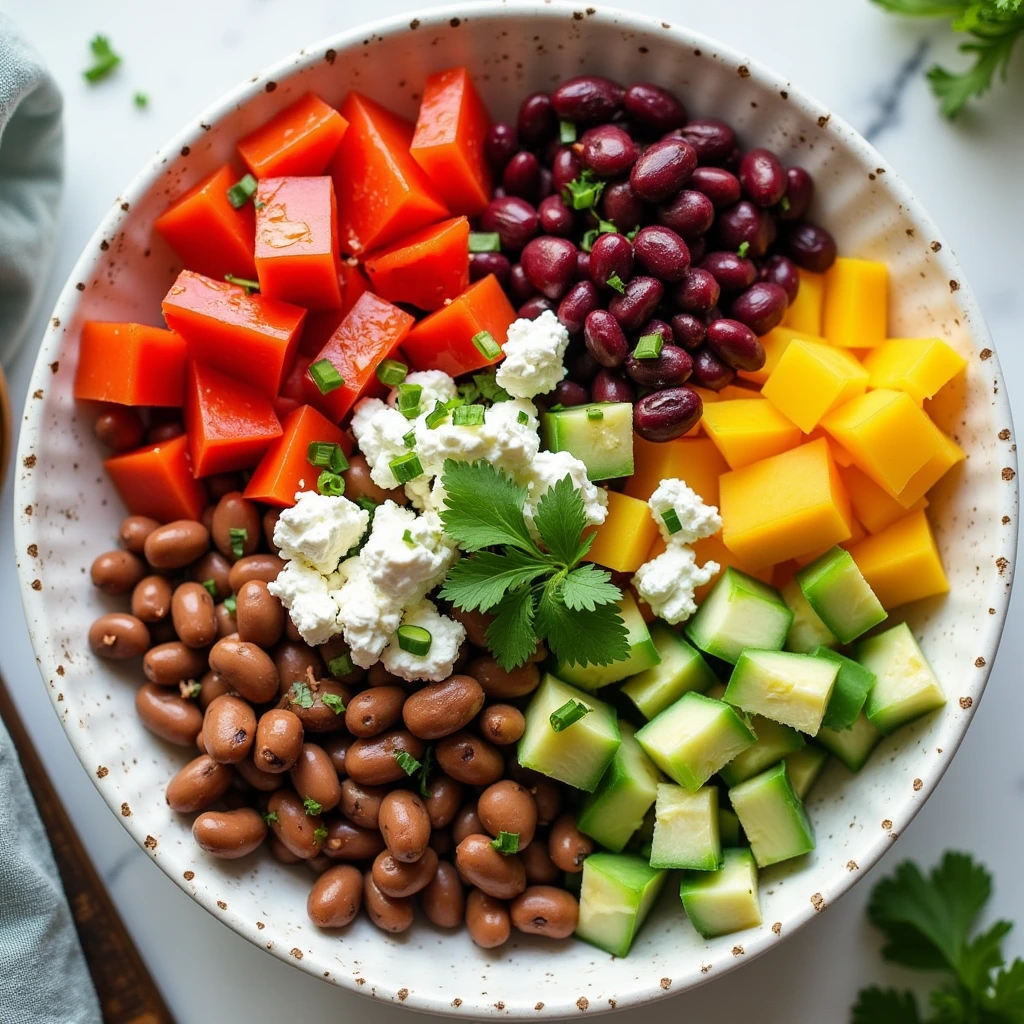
column 774, row 742
column 723, row 901
column 793, row 689
column 906, row 687
column 836, row 589
column 695, row 737
column 728, row 827
column 680, row 670
column 772, row 816
column 806, row 631
column 600, row 435
column 617, row 893
column 686, row 829
column 853, row 684
column 616, row 809
column 739, row 612
column 804, row 766
column 852, row 746
column 578, row 755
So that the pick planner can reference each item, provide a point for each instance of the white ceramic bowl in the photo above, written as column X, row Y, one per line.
column 67, row 511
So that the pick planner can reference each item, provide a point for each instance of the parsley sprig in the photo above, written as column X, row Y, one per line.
column 535, row 593
column 104, row 59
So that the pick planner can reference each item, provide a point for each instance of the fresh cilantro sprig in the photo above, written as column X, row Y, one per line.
column 104, row 59
column 534, row 592
column 928, row 924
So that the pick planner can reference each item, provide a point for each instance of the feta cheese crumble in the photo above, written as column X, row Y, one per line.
column 696, row 520
column 534, row 351
column 308, row 595
column 446, row 636
column 367, row 617
column 320, row 529
column 546, row 469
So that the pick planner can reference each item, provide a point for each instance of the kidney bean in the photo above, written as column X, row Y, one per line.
column 608, row 151
column 713, row 140
column 689, row 330
column 502, row 724
column 480, row 864
column 469, row 759
column 247, row 668
column 261, row 781
column 439, row 709
column 199, row 785
column 549, row 264
column 761, row 307
column 667, row 414
column 521, row 177
column 568, row 847
column 781, row 270
column 588, row 99
column 709, row 371
column 475, row 623
column 663, row 169
column 688, row 213
column 623, row 207
column 206, row 517
column 314, row 778
column 670, row 368
column 168, row 715
column 215, row 569
column 501, row 684
column 389, row 913
column 533, row 308
column 520, row 286
column 506, row 806
column 733, row 273
column 119, row 428
column 736, row 344
column 466, row 823
column 545, row 910
column 487, row 920
column 745, row 223
column 582, row 366
column 172, row 663
column 661, row 252
column 799, row 193
column 697, row 292
column 481, row 264
column 151, row 598
column 336, row 897
column 233, row 512
column 117, row 572
column 555, row 217
column 349, row 842
column 193, row 615
column 443, row 898
column 278, row 741
column 220, row 484
column 566, row 166
column 371, row 761
column 611, row 387
column 611, row 255
column 548, row 798
column 762, row 176
column 500, row 144
column 441, row 842
column 361, row 804
column 176, row 544
column 654, row 108
column 211, row 686
column 374, row 710
column 444, row 800
column 719, row 186
column 294, row 663
column 229, row 729
column 582, row 265
column 514, row 219
column 577, row 304
column 293, row 826
column 280, row 852
column 810, row 247
column 226, row 624
column 402, row 878
column 260, row 615
column 536, row 122
column 229, row 834
column 637, row 304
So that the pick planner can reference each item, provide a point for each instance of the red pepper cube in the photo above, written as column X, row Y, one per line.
column 322, row 323
column 248, row 337
column 285, row 469
column 207, row 233
column 370, row 333
column 130, row 364
column 297, row 242
column 229, row 424
column 157, row 481
column 301, row 139
column 427, row 268
column 444, row 340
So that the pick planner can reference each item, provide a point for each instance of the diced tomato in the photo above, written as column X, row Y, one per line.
column 207, row 233
column 382, row 192
column 301, row 139
column 370, row 333
column 322, row 323
column 130, row 364
column 354, row 283
column 285, row 468
column 426, row 268
column 449, row 141
column 229, row 424
column 248, row 337
column 444, row 340
column 157, row 481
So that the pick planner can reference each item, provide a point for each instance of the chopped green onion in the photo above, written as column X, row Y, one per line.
column 593, row 413
column 406, row 467
column 506, row 843
column 409, row 439
column 322, row 454
column 489, row 387
column 630, row 235
column 319, row 834
column 468, row 416
column 468, row 392
column 211, row 588
column 392, row 372
column 437, row 416
column 568, row 714
column 583, row 192
column 617, row 283
column 249, row 284
column 785, row 203
column 339, row 462
column 523, row 418
column 269, row 817
column 589, row 238
column 339, row 666
column 230, row 604
column 141, row 100
column 484, row 241
column 313, row 807
column 566, row 132
column 238, row 535
column 367, row 503
column 648, row 347
column 486, row 345
column 410, row 541
column 242, row 191
column 743, row 249
column 334, row 702
column 303, row 695
column 414, row 639
column 671, row 518
column 106, row 59
column 325, row 376
column 428, row 764
column 330, row 484
column 409, row 396
column 407, row 762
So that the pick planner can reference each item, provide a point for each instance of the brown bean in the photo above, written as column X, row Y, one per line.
column 280, row 852
column 168, row 715
column 346, row 841
column 199, row 785
column 119, row 427
column 116, row 572
column 567, row 845
column 151, row 598
column 160, row 433
column 502, row 724
column 261, row 781
column 213, row 567
column 501, row 684
column 508, row 807
column 499, row 875
column 302, row 833
column 229, row 834
column 270, row 518
column 336, row 897
column 134, row 531
column 318, row 717
column 176, row 544
column 439, row 709
column 540, row 868
column 200, row 742
column 487, row 920
column 226, row 623
column 371, row 760
column 206, row 517
column 400, row 878
column 211, row 686
column 278, row 741
column 229, row 728
column 291, row 631
column 193, row 616
column 405, row 825
column 293, row 661
column 255, row 567
column 443, row 899
column 260, row 615
column 470, row 759
column 378, row 675
column 246, row 667
column 359, row 485
column 374, row 710
column 444, row 800
column 545, row 910
column 389, row 913
column 441, row 842
column 219, row 484
column 117, row 636
column 548, row 799
column 337, row 748
column 314, row 778
column 466, row 823
column 476, row 624
column 336, row 648
column 162, row 632
column 361, row 804
column 233, row 512
column 173, row 663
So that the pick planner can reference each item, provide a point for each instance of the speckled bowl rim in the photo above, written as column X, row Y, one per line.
column 442, row 17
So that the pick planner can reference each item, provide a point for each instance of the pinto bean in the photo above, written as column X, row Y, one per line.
column 439, row 709
column 229, row 834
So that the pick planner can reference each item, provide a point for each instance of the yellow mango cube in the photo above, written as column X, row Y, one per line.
column 949, row 454
column 784, row 506
column 804, row 312
column 841, row 456
column 902, row 563
column 774, row 343
column 695, row 460
column 855, row 310
column 919, row 366
column 857, row 533
column 871, row 505
column 622, row 541
column 736, row 393
column 746, row 432
column 811, row 380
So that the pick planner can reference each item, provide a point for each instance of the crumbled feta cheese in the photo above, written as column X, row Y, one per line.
column 446, row 636
column 366, row 616
column 380, row 431
column 449, row 441
column 696, row 519
column 667, row 582
column 534, row 351
column 320, row 528
column 306, row 593
column 437, row 387
column 546, row 469
column 513, row 443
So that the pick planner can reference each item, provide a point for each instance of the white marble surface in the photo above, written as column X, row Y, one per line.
column 864, row 65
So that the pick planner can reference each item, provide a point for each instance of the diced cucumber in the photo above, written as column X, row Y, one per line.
column 616, row 896
column 600, row 435
column 723, row 901
column 774, row 742
column 578, row 755
column 616, row 809
column 772, row 816
column 836, row 589
column 793, row 689
column 686, row 829
column 806, row 631
column 852, row 746
column 906, row 687
column 643, row 654
column 681, row 670
column 853, row 684
column 804, row 766
column 728, row 827
column 693, row 738
column 739, row 612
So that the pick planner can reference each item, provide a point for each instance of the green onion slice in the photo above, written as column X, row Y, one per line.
column 409, row 439
column 406, row 467
column 568, row 714
column 391, row 372
column 211, row 588
column 437, row 416
column 671, row 518
column 249, row 284
column 229, row 604
column 468, row 415
column 522, row 418
column 484, row 241
column 566, row 132
column 323, row 454
column 330, row 484
column 486, row 345
column 325, row 376
column 407, row 762
column 414, row 639
column 593, row 413
column 242, row 191
column 409, row 396
column 506, row 843
column 238, row 536
column 648, row 347
column 408, row 538
column 743, row 249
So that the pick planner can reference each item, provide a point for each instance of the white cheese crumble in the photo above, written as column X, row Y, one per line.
column 546, row 469
column 366, row 616
column 320, row 528
column 446, row 637
column 696, row 520
column 380, row 432
column 667, row 582
column 307, row 594
column 534, row 351
column 436, row 384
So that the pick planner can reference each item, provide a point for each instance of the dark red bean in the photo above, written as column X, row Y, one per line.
column 546, row 186
column 611, row 387
column 583, row 366
column 536, row 122
column 689, row 330
column 519, row 284
column 671, row 368
column 698, row 246
column 550, row 264
column 655, row 109
column 521, row 177
column 664, row 415
column 483, row 263
column 720, row 186
column 663, row 169
column 761, row 307
column 810, row 247
column 781, row 270
column 713, row 140
column 588, row 99
column 565, row 167
column 532, row 308
column 608, row 151
column 748, row 223
column 605, row 339
column 733, row 273
column 611, row 255
column 582, row 265
column 623, row 207
column 762, row 176
column 637, row 304
column 661, row 252
column 568, row 392
column 555, row 217
column 799, row 192
column 697, row 292
column 688, row 213
column 577, row 304
column 709, row 371
column 500, row 145
column 659, row 327
column 736, row 344
column 514, row 219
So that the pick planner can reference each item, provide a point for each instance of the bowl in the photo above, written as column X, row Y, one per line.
column 67, row 511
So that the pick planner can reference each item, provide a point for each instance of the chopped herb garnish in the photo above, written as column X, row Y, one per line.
column 785, row 203
column 648, row 347
column 523, row 418
column 248, row 283
column 486, row 345
column 330, row 484
column 338, row 666
column 593, row 413
column 604, row 227
column 406, row 467
column 211, row 588
column 368, row 504
column 468, row 392
column 190, row 688
column 506, row 843
column 325, row 376
column 468, row 416
column 484, row 241
column 333, row 701
column 106, row 59
column 269, row 817
column 437, row 416
column 303, row 694
column 415, row 639
column 743, row 249
column 319, row 834
column 141, row 100
column 238, row 536
column 409, row 439
column 242, row 191
column 566, row 132
column 630, row 235
column 408, row 539
column 326, row 454
column 671, row 518
column 616, row 283
column 489, row 388
column 408, row 401
column 313, row 808
column 568, row 714
column 391, row 372
column 583, row 192
column 230, row 604
column 407, row 762
column 428, row 764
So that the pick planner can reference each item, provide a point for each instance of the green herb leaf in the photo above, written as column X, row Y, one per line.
column 1007, row 996
column 141, row 100
column 312, row 807
column 482, row 581
column 428, row 767
column 588, row 586
column 489, row 388
column 484, row 241
column 560, row 519
column 595, row 637
column 506, row 843
column 105, row 59
column 583, row 192
column 407, row 762
column 991, row 56
column 566, row 132
column 303, row 696
column 269, row 817
column 238, row 536
column 511, row 636
column 616, row 283
column 250, row 284
column 885, row 1006
column 319, row 834
column 743, row 249
column 333, row 701
column 230, row 604
column 211, row 588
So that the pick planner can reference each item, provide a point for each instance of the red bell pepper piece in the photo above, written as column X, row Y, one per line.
column 322, row 323
column 130, row 364
column 301, row 139
column 157, row 481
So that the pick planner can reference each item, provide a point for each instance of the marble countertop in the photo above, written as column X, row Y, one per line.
column 865, row 65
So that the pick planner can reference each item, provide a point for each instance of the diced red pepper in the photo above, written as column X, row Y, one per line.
column 322, row 323
column 248, row 337
column 130, row 364
column 294, row 384
column 370, row 333
column 449, row 141
column 157, row 481
column 301, row 139
column 444, row 340
column 285, row 469
column 382, row 192
column 207, row 233
column 427, row 268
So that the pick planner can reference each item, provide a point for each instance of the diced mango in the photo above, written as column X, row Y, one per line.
column 811, row 380
column 919, row 366
column 855, row 310
column 775, row 342
column 695, row 460
column 784, row 506
column 871, row 505
column 804, row 313
column 841, row 456
column 949, row 454
column 622, row 541
column 857, row 534
column 902, row 562
column 737, row 393
column 746, row 432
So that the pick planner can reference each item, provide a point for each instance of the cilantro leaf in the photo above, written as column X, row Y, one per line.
column 484, row 508
column 105, row 59
column 303, row 695
column 511, row 635
column 588, row 586
column 595, row 637
column 982, row 956
column 1007, row 996
column 924, row 8
column 483, row 580
column 560, row 519
column 885, row 1006
column 990, row 56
